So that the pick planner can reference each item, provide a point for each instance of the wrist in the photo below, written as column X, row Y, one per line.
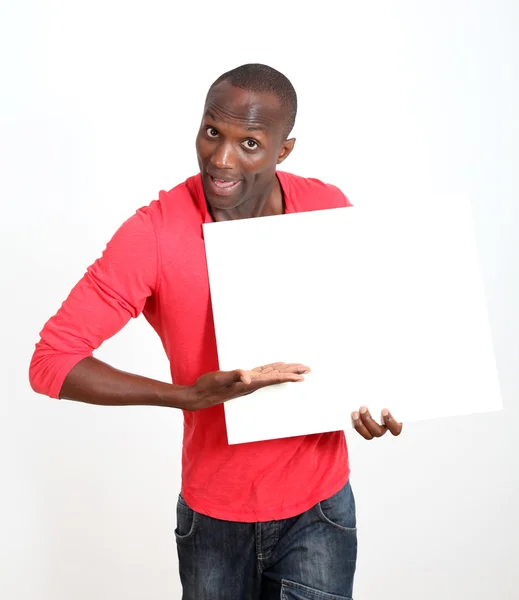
column 182, row 397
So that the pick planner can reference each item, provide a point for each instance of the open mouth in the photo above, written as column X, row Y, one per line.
column 224, row 186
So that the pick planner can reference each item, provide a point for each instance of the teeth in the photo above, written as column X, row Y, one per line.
column 224, row 184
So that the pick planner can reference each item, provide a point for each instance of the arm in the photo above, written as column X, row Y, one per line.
column 96, row 382
column 113, row 290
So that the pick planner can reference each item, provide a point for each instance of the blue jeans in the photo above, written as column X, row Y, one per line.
column 308, row 557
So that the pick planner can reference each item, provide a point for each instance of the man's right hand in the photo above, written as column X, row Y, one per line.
column 218, row 386
column 95, row 382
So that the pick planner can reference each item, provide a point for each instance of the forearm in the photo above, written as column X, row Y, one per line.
column 95, row 382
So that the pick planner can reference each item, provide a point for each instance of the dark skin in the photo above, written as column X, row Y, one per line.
column 242, row 139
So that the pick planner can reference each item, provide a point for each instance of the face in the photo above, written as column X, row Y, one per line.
column 240, row 142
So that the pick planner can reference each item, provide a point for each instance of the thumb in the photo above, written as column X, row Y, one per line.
column 243, row 376
column 236, row 376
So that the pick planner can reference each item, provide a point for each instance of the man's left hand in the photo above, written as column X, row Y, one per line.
column 369, row 428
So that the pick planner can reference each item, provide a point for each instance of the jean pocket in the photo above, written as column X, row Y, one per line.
column 187, row 520
column 295, row 591
column 339, row 510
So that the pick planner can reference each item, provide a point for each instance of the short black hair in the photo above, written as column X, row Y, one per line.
column 263, row 79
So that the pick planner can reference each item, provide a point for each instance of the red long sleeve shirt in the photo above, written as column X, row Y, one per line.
column 155, row 264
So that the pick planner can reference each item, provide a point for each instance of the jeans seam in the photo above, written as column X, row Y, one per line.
column 314, row 593
column 323, row 518
column 192, row 530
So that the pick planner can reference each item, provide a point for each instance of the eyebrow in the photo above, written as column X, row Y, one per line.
column 249, row 128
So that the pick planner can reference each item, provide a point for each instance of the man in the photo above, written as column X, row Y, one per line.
column 264, row 520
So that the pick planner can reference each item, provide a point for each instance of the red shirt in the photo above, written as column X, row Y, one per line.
column 156, row 264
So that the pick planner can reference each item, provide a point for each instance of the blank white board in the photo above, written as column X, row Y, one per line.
column 385, row 304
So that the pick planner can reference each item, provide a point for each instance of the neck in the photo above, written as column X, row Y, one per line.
column 270, row 203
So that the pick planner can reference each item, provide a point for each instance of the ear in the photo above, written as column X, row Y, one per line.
column 286, row 149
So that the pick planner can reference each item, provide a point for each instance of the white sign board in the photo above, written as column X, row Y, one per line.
column 386, row 306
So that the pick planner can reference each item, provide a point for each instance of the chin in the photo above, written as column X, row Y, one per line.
column 220, row 203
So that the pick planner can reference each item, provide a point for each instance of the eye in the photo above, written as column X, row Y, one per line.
column 250, row 144
column 211, row 132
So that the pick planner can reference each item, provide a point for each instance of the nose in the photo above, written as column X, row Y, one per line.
column 223, row 157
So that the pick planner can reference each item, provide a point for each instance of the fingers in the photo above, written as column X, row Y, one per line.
column 368, row 428
column 281, row 367
column 371, row 425
column 360, row 427
column 263, row 376
column 268, row 368
column 366, row 425
column 294, row 368
column 275, row 378
column 389, row 421
column 278, row 373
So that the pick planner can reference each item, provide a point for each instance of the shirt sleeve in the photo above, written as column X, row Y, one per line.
column 338, row 196
column 113, row 290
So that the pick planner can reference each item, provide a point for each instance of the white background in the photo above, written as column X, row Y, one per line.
column 100, row 105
